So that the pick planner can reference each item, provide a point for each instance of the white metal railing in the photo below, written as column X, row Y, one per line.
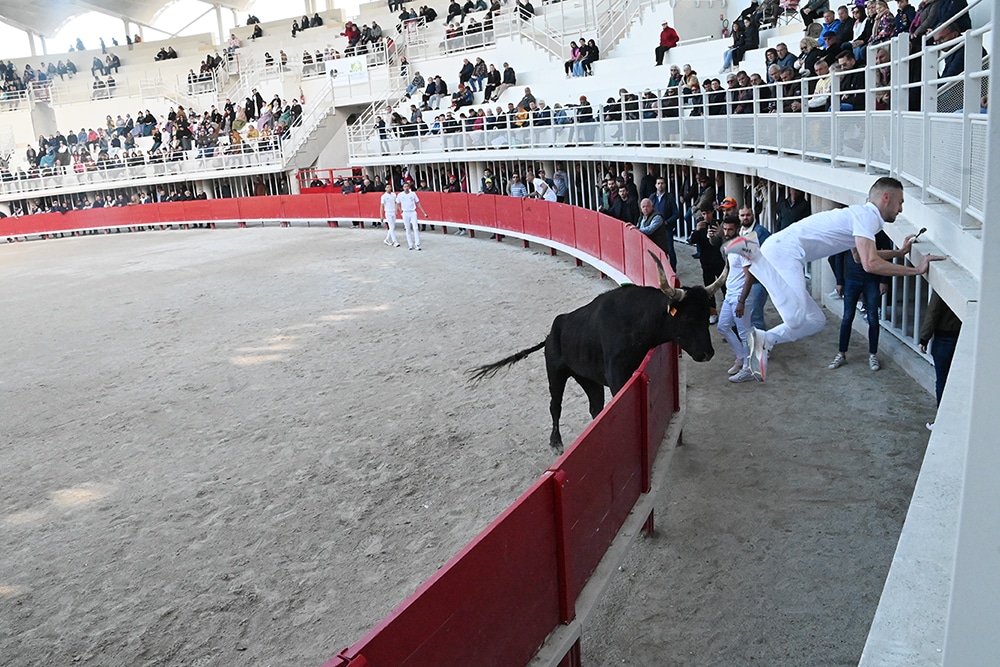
column 14, row 100
column 885, row 136
column 315, row 112
column 264, row 155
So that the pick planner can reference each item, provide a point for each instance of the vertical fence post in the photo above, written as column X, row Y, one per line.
column 567, row 602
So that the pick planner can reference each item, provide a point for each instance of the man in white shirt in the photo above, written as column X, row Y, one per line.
column 543, row 191
column 780, row 264
column 409, row 202
column 736, row 306
column 387, row 211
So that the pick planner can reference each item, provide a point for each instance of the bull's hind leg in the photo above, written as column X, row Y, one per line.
column 595, row 393
column 557, row 386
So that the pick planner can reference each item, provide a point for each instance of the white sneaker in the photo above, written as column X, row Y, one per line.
column 418, row 247
column 874, row 363
column 747, row 246
column 930, row 426
column 712, row 319
column 835, row 295
column 395, row 245
column 736, row 367
column 838, row 361
column 387, row 242
column 743, row 376
column 758, row 354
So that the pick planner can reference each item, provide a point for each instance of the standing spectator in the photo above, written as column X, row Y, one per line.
column 651, row 224
column 856, row 283
column 712, row 262
column 941, row 326
column 624, row 207
column 668, row 40
column 905, row 13
column 665, row 203
column 516, row 188
column 791, row 209
column 734, row 313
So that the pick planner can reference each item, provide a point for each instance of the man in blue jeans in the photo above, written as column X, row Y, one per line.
column 858, row 284
column 748, row 223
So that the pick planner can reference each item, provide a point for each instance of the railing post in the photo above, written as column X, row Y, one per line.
column 567, row 602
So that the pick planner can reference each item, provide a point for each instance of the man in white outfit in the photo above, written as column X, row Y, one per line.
column 737, row 305
column 409, row 202
column 780, row 264
column 387, row 211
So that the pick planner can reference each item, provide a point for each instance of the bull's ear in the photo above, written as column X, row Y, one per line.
column 673, row 293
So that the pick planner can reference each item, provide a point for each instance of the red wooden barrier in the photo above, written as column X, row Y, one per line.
column 491, row 605
column 535, row 214
column 612, row 234
column 605, row 479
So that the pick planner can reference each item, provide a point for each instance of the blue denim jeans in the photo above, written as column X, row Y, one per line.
column 853, row 290
column 759, row 296
column 942, row 351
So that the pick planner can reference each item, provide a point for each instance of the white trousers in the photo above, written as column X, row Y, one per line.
column 412, row 232
column 727, row 318
column 390, row 228
column 781, row 268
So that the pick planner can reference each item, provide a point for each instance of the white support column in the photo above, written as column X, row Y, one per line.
column 223, row 39
column 31, row 43
column 974, row 609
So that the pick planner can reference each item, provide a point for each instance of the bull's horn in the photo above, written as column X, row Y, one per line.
column 719, row 282
column 674, row 293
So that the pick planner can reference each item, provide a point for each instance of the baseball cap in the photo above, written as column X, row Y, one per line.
column 728, row 202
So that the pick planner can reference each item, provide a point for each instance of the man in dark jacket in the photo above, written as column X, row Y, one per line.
column 625, row 207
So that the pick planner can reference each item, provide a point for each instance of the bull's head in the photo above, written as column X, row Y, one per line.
column 690, row 308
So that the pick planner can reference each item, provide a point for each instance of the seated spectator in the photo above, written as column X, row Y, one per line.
column 492, row 83
column 96, row 66
column 812, row 10
column 862, row 32
column 171, row 54
column 428, row 14
column 525, row 10
column 295, row 28
column 509, row 79
column 785, row 59
column 805, row 64
column 316, row 21
column 461, row 97
column 885, row 23
column 668, row 40
column 257, row 32
column 234, row 43
column 416, row 84
column 526, row 100
column 454, row 11
column 593, row 55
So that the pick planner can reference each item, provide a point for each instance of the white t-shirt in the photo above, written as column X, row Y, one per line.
column 737, row 278
column 549, row 194
column 831, row 232
column 408, row 201
column 389, row 204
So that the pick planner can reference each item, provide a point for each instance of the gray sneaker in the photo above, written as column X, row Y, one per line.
column 874, row 363
column 743, row 376
column 838, row 361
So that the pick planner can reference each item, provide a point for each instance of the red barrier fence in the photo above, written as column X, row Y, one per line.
column 495, row 602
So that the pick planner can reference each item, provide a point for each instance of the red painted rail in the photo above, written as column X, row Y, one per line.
column 495, row 602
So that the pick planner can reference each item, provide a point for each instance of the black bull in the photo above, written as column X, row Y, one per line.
column 602, row 344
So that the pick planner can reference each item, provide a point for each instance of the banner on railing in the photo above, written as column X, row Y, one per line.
column 347, row 71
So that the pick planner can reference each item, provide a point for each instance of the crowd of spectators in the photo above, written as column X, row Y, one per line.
column 788, row 82
column 179, row 135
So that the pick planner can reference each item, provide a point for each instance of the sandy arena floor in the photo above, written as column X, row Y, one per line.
column 244, row 447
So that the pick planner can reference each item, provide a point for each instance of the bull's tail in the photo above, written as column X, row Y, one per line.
column 489, row 370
